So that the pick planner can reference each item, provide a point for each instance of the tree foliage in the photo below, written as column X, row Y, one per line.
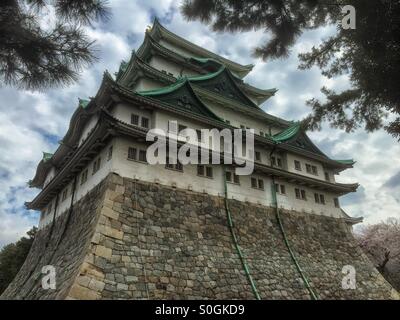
column 36, row 53
column 369, row 54
column 381, row 243
column 12, row 257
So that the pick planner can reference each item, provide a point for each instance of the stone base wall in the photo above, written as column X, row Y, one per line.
column 133, row 240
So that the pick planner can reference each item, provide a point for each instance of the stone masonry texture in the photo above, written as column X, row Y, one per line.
column 128, row 239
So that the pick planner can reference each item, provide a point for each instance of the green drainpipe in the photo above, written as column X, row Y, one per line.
column 313, row 295
column 235, row 241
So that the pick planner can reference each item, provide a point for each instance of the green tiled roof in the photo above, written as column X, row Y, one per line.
column 46, row 156
column 164, row 90
column 287, row 133
column 83, row 103
column 206, row 76
column 346, row 161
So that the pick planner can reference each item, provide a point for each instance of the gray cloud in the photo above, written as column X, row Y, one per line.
column 393, row 182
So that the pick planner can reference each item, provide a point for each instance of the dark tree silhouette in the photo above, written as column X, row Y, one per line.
column 37, row 54
column 369, row 54
column 12, row 257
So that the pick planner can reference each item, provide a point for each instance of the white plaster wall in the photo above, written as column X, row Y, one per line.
column 88, row 128
column 49, row 177
column 179, row 50
column 144, row 84
column 290, row 166
column 160, row 63
column 190, row 181
column 237, row 118
column 123, row 112
column 290, row 202
column 182, row 51
column 81, row 190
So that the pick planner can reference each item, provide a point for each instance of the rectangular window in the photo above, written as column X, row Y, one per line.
column 297, row 165
column 135, row 119
column 96, row 165
column 257, row 183
column 261, row 184
column 322, row 198
column 132, row 153
column 253, row 182
column 142, row 156
column 258, row 156
column 316, row 197
column 327, row 176
column 303, row 194
column 314, row 170
column 84, row 176
column 178, row 166
column 209, row 172
column 336, row 202
column 297, row 191
column 280, row 188
column 145, row 122
column 308, row 168
column 110, row 152
column 276, row 162
column 200, row 170
column 228, row 176
column 236, row 179
column 198, row 135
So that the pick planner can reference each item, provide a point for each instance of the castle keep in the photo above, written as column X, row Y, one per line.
column 114, row 226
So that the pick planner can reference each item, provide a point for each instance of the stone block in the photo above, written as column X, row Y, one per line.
column 109, row 212
column 103, row 252
column 82, row 293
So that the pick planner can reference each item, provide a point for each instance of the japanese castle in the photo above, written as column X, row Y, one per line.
column 171, row 79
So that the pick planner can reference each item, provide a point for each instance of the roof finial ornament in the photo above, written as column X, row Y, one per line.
column 148, row 28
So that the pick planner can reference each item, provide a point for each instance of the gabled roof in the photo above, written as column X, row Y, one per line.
column 261, row 95
column 296, row 137
column 222, row 82
column 200, row 65
column 67, row 144
column 136, row 68
column 150, row 46
column 181, row 95
column 160, row 32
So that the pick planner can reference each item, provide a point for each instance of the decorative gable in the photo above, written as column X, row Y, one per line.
column 222, row 83
column 180, row 95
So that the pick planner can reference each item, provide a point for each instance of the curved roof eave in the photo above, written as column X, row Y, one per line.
column 65, row 144
column 158, row 30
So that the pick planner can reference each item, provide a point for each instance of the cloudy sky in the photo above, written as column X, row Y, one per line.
column 32, row 122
